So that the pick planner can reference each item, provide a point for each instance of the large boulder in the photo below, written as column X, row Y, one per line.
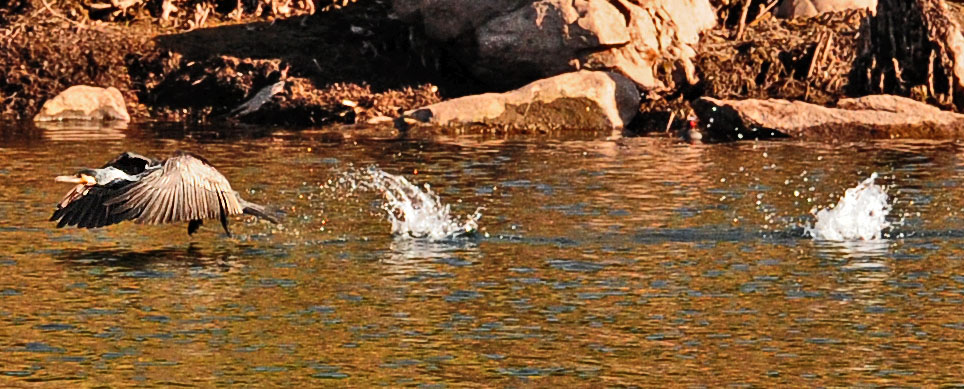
column 810, row 8
column 587, row 100
column 446, row 20
column 511, row 42
column 868, row 117
column 543, row 38
column 664, row 35
column 89, row 103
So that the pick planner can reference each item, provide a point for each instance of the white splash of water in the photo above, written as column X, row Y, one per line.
column 861, row 214
column 415, row 212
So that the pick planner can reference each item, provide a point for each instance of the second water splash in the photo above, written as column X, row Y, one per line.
column 861, row 214
column 414, row 212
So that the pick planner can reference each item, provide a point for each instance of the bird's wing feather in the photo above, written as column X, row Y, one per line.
column 88, row 209
column 185, row 187
column 131, row 163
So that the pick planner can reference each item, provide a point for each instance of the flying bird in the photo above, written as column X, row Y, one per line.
column 184, row 187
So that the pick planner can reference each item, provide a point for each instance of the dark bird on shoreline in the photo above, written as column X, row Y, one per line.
column 184, row 187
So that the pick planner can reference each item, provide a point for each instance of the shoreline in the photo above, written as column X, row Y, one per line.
column 358, row 63
column 191, row 76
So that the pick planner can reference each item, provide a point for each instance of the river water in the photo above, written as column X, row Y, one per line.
column 597, row 262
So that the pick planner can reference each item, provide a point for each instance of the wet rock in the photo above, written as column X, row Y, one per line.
column 868, row 117
column 512, row 42
column 810, row 8
column 81, row 102
column 579, row 100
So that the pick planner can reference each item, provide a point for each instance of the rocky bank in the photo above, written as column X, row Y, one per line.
column 344, row 63
column 513, row 64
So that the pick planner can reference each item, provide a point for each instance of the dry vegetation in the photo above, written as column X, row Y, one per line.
column 342, row 60
column 348, row 61
column 801, row 59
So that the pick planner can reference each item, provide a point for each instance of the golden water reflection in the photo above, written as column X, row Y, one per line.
column 619, row 262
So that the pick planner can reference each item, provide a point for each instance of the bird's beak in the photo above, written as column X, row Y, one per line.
column 82, row 179
column 69, row 179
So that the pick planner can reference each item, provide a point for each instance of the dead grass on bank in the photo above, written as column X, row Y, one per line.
column 347, row 62
column 809, row 59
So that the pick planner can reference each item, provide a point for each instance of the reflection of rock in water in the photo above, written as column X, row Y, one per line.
column 82, row 131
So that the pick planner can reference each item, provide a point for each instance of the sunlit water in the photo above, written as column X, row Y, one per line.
column 596, row 262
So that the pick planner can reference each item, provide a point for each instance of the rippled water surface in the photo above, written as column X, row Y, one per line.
column 598, row 262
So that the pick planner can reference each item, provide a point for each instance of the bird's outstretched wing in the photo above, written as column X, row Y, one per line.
column 87, row 209
column 131, row 163
column 186, row 187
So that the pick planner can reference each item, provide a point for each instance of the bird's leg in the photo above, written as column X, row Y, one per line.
column 193, row 225
column 224, row 223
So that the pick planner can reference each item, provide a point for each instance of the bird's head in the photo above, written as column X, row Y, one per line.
column 85, row 177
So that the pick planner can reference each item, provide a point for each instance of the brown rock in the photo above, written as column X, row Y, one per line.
column 81, row 102
column 586, row 100
column 810, row 8
column 664, row 35
column 869, row 117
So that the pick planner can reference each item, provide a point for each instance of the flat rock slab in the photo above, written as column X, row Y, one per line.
column 868, row 117
column 810, row 8
column 85, row 103
column 587, row 100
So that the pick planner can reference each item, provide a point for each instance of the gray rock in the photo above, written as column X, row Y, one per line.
column 869, row 117
column 89, row 103
column 586, row 100
column 809, row 8
column 447, row 19
column 545, row 37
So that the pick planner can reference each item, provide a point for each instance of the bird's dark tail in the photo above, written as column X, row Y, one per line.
column 261, row 211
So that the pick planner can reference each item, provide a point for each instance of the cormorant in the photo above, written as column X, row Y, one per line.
column 184, row 187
